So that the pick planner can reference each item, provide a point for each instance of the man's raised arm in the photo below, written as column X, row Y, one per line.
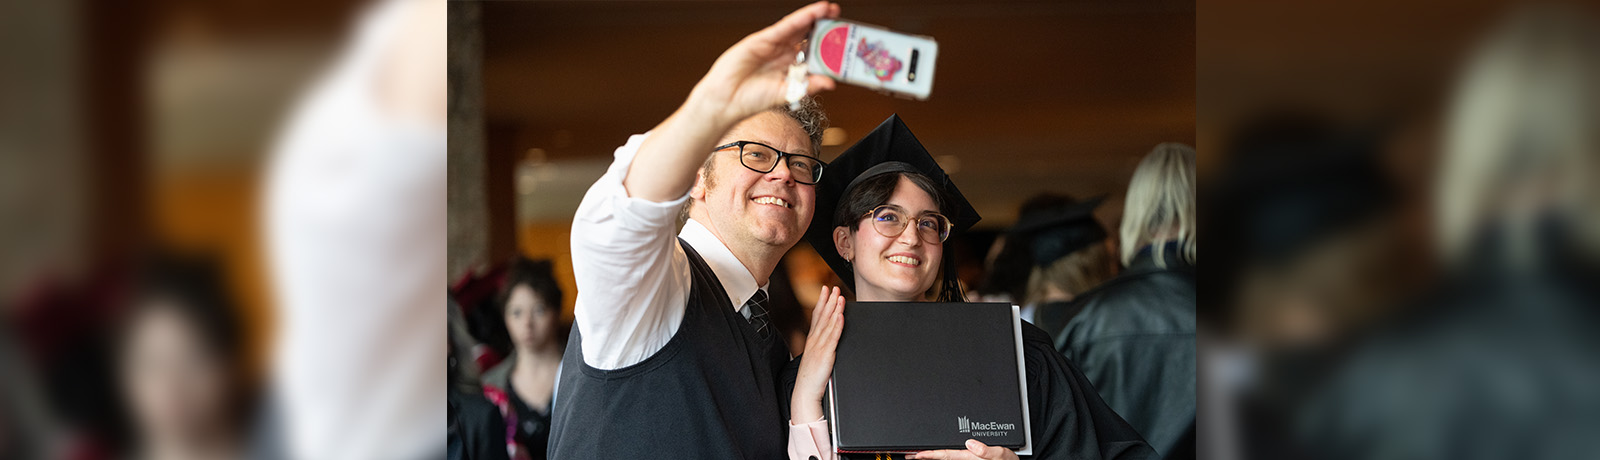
column 632, row 280
column 747, row 79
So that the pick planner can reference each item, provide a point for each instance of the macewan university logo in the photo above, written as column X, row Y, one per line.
column 967, row 426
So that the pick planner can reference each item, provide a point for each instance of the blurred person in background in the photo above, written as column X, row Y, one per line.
column 1497, row 360
column 482, row 338
column 1134, row 336
column 62, row 384
column 1308, row 216
column 27, row 427
column 1066, row 252
column 178, row 355
column 523, row 384
column 354, row 214
column 1313, row 254
column 476, row 429
column 10, row 446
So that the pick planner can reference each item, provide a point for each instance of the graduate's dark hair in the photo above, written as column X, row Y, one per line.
column 538, row 275
column 194, row 286
column 875, row 191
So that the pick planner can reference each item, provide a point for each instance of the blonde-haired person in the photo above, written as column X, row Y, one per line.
column 1133, row 336
column 1160, row 204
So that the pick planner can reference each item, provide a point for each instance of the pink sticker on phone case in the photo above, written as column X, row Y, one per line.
column 832, row 48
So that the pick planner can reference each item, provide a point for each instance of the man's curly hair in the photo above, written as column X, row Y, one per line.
column 811, row 119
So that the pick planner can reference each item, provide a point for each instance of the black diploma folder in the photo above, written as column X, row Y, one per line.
column 912, row 376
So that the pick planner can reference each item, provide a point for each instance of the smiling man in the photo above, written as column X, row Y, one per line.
column 671, row 353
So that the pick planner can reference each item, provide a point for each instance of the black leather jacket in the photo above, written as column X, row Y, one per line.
column 1133, row 337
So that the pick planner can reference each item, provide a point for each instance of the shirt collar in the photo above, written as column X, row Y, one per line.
column 735, row 278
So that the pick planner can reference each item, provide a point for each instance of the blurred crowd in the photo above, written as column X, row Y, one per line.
column 1418, row 284
column 213, row 225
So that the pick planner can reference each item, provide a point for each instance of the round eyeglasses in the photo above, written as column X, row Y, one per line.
column 890, row 221
column 762, row 158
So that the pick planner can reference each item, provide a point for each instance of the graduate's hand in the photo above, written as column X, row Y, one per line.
column 975, row 451
column 816, row 364
column 750, row 76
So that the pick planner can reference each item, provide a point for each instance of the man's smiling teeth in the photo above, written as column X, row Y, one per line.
column 772, row 201
column 905, row 260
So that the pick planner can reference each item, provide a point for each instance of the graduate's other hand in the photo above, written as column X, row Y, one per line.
column 749, row 77
column 975, row 451
column 816, row 363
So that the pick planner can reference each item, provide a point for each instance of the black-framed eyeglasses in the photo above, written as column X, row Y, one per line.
column 762, row 158
column 890, row 221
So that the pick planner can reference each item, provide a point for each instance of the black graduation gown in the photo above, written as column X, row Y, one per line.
column 1069, row 419
column 1052, row 317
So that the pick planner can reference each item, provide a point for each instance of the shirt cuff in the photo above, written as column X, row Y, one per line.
column 810, row 441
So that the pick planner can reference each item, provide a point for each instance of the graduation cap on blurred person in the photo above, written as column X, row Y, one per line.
column 1054, row 232
column 1048, row 228
column 889, row 148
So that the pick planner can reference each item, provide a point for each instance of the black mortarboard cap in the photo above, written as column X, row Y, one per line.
column 1054, row 232
column 1049, row 227
column 888, row 148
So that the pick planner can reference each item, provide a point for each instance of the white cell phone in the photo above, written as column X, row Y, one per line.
column 873, row 57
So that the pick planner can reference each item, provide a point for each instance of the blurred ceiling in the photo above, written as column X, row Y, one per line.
column 1357, row 63
column 1029, row 96
column 222, row 74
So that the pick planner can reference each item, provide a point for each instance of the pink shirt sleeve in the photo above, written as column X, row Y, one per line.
column 809, row 441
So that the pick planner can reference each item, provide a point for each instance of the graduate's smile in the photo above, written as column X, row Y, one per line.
column 904, row 259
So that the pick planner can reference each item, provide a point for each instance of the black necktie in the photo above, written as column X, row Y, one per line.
column 758, row 316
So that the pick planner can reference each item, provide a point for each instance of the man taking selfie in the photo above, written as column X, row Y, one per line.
column 671, row 352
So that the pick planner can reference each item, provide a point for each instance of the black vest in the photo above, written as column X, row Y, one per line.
column 711, row 393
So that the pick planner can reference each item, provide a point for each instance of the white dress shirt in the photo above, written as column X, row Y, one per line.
column 633, row 278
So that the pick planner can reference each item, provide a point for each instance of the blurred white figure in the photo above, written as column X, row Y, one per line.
column 355, row 219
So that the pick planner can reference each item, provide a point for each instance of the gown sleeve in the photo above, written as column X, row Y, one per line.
column 810, row 439
column 1070, row 421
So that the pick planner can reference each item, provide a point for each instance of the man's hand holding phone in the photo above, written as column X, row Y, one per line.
column 747, row 79
column 750, row 77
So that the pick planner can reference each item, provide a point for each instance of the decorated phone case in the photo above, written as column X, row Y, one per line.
column 873, row 57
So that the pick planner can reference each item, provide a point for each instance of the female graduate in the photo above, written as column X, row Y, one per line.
column 892, row 212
